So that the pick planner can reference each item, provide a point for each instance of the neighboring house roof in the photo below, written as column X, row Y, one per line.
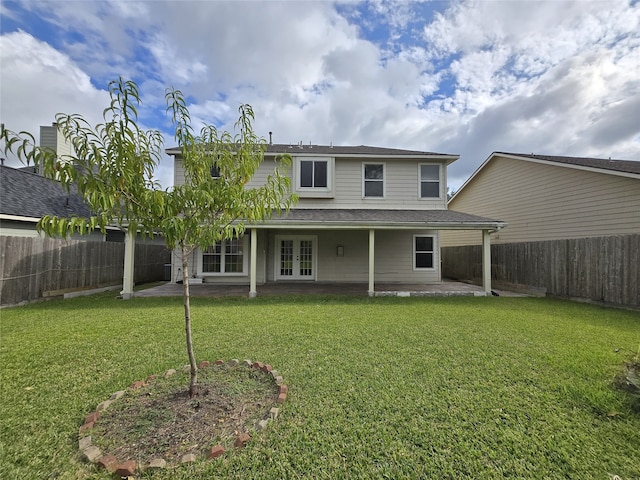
column 625, row 168
column 28, row 195
column 344, row 151
column 369, row 218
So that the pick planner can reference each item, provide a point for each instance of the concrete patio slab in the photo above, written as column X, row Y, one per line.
column 444, row 289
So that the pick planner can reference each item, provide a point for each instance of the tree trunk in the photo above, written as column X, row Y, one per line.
column 187, row 322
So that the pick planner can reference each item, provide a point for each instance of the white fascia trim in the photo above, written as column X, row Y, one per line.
column 18, row 218
column 493, row 227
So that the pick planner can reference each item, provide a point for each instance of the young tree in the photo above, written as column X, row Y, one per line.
column 113, row 168
column 209, row 208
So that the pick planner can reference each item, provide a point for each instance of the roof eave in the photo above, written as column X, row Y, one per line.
column 348, row 225
column 448, row 158
column 585, row 168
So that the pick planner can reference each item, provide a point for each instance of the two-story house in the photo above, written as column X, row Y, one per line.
column 365, row 214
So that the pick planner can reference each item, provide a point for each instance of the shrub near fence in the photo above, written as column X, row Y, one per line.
column 603, row 269
column 34, row 268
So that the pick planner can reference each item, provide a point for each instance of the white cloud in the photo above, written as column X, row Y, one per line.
column 550, row 77
column 38, row 82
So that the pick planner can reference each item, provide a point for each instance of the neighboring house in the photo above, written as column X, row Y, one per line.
column 545, row 197
column 365, row 214
column 26, row 196
column 574, row 226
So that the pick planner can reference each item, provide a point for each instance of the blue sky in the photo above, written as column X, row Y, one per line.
column 461, row 77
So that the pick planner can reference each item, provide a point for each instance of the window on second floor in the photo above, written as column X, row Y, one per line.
column 215, row 171
column 313, row 173
column 373, row 180
column 314, row 176
column 429, row 181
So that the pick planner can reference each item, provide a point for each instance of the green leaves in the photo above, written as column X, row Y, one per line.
column 212, row 209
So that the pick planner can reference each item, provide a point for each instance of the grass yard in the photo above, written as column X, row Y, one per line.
column 394, row 388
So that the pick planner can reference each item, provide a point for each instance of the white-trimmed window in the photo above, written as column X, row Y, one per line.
column 226, row 257
column 314, row 176
column 429, row 175
column 373, row 177
column 423, row 252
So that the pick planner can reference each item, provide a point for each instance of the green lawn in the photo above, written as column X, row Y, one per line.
column 378, row 388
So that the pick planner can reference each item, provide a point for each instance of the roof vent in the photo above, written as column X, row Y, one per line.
column 270, row 138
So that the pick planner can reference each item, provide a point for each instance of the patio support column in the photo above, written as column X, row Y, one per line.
column 253, row 292
column 129, row 251
column 372, row 256
column 486, row 262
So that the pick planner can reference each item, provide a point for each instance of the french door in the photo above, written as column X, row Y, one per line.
column 296, row 257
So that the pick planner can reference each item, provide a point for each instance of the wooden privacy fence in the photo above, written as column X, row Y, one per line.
column 604, row 269
column 34, row 268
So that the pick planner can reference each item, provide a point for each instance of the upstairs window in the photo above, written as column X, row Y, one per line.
column 215, row 171
column 314, row 176
column 373, row 180
column 429, row 181
column 422, row 252
column 313, row 173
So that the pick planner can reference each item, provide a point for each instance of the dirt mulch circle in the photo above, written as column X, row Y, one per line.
column 159, row 420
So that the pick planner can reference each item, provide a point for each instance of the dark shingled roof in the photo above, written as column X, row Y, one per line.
column 373, row 217
column 625, row 166
column 27, row 194
column 361, row 150
column 347, row 150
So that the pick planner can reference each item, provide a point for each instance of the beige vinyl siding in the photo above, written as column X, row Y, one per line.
column 52, row 137
column 401, row 185
column 11, row 228
column 178, row 172
column 394, row 258
column 352, row 267
column 547, row 202
column 223, row 279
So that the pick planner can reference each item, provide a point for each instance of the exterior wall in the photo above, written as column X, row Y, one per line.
column 393, row 256
column 11, row 228
column 52, row 137
column 547, row 202
column 243, row 279
column 401, row 185
column 178, row 172
column 393, row 262
column 394, row 249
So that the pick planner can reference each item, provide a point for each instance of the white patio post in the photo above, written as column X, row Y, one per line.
column 486, row 261
column 372, row 248
column 253, row 293
column 129, row 252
